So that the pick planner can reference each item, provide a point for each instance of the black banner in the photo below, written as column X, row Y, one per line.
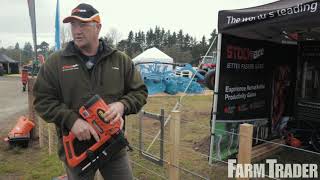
column 245, row 81
column 309, row 50
column 283, row 11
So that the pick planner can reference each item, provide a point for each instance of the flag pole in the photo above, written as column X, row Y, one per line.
column 32, row 14
column 57, row 27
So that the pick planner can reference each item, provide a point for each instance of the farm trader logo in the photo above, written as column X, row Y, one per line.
column 275, row 170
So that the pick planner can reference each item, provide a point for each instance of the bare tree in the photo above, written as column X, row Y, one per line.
column 65, row 35
column 114, row 35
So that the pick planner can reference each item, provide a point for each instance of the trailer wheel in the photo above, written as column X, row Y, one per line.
column 210, row 79
column 202, row 72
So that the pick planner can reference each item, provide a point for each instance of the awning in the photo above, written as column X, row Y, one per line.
column 277, row 21
column 5, row 59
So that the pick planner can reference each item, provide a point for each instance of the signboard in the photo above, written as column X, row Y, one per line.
column 244, row 85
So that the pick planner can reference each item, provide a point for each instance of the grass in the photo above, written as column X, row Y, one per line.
column 34, row 163
column 29, row 164
column 195, row 127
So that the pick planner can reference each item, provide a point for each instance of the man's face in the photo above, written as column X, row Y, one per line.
column 85, row 34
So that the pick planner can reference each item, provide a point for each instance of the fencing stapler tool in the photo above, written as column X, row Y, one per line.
column 112, row 139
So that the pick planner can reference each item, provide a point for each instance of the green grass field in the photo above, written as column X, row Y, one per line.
column 34, row 163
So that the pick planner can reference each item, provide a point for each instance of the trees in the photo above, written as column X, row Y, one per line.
column 109, row 40
column 17, row 46
column 43, row 48
column 27, row 53
column 150, row 38
column 13, row 52
column 180, row 39
column 112, row 37
column 182, row 47
column 213, row 35
column 20, row 55
column 115, row 35
column 65, row 35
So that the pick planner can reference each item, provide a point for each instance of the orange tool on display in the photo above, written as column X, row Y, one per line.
column 20, row 134
column 111, row 137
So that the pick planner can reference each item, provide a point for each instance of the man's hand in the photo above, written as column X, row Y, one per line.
column 115, row 113
column 115, row 110
column 83, row 131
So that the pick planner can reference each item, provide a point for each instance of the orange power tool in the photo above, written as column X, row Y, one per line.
column 112, row 139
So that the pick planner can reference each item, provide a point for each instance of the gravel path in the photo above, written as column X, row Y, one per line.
column 13, row 102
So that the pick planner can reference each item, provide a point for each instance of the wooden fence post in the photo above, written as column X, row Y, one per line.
column 52, row 138
column 32, row 114
column 245, row 145
column 174, row 143
column 42, row 126
column 98, row 176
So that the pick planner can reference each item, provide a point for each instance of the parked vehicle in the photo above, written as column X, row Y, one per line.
column 208, row 63
column 208, row 69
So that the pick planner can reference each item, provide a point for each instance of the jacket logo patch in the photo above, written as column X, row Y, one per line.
column 116, row 68
column 70, row 67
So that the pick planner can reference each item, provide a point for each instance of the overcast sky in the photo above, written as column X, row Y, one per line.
column 196, row 17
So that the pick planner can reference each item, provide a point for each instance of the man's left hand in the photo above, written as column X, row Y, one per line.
column 115, row 113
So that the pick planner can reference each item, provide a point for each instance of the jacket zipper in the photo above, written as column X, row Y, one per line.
column 87, row 73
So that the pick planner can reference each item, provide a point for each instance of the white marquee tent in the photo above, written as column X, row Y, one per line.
column 152, row 55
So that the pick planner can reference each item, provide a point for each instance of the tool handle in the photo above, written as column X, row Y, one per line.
column 72, row 159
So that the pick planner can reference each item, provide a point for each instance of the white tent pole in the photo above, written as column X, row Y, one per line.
column 215, row 97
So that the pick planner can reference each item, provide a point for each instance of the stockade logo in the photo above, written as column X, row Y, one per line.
column 78, row 10
column 243, row 53
column 70, row 67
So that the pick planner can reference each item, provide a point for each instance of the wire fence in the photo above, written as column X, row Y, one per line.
column 48, row 139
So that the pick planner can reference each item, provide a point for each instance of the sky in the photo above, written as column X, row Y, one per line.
column 195, row 17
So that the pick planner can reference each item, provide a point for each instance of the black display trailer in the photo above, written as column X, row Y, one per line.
column 268, row 68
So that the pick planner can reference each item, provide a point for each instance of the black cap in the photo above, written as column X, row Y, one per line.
column 83, row 12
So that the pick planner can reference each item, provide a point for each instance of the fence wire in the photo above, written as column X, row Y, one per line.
column 47, row 128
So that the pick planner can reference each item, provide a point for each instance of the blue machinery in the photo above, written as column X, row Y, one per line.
column 159, row 77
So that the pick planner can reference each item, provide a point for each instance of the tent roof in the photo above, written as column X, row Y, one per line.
column 151, row 55
column 277, row 21
column 5, row 59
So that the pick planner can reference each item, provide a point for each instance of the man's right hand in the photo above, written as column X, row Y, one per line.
column 83, row 131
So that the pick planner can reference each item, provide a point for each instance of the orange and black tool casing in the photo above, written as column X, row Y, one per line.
column 93, row 112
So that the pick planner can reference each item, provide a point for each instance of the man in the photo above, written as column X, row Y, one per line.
column 70, row 77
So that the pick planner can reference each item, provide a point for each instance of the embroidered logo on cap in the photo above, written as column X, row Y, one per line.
column 78, row 10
